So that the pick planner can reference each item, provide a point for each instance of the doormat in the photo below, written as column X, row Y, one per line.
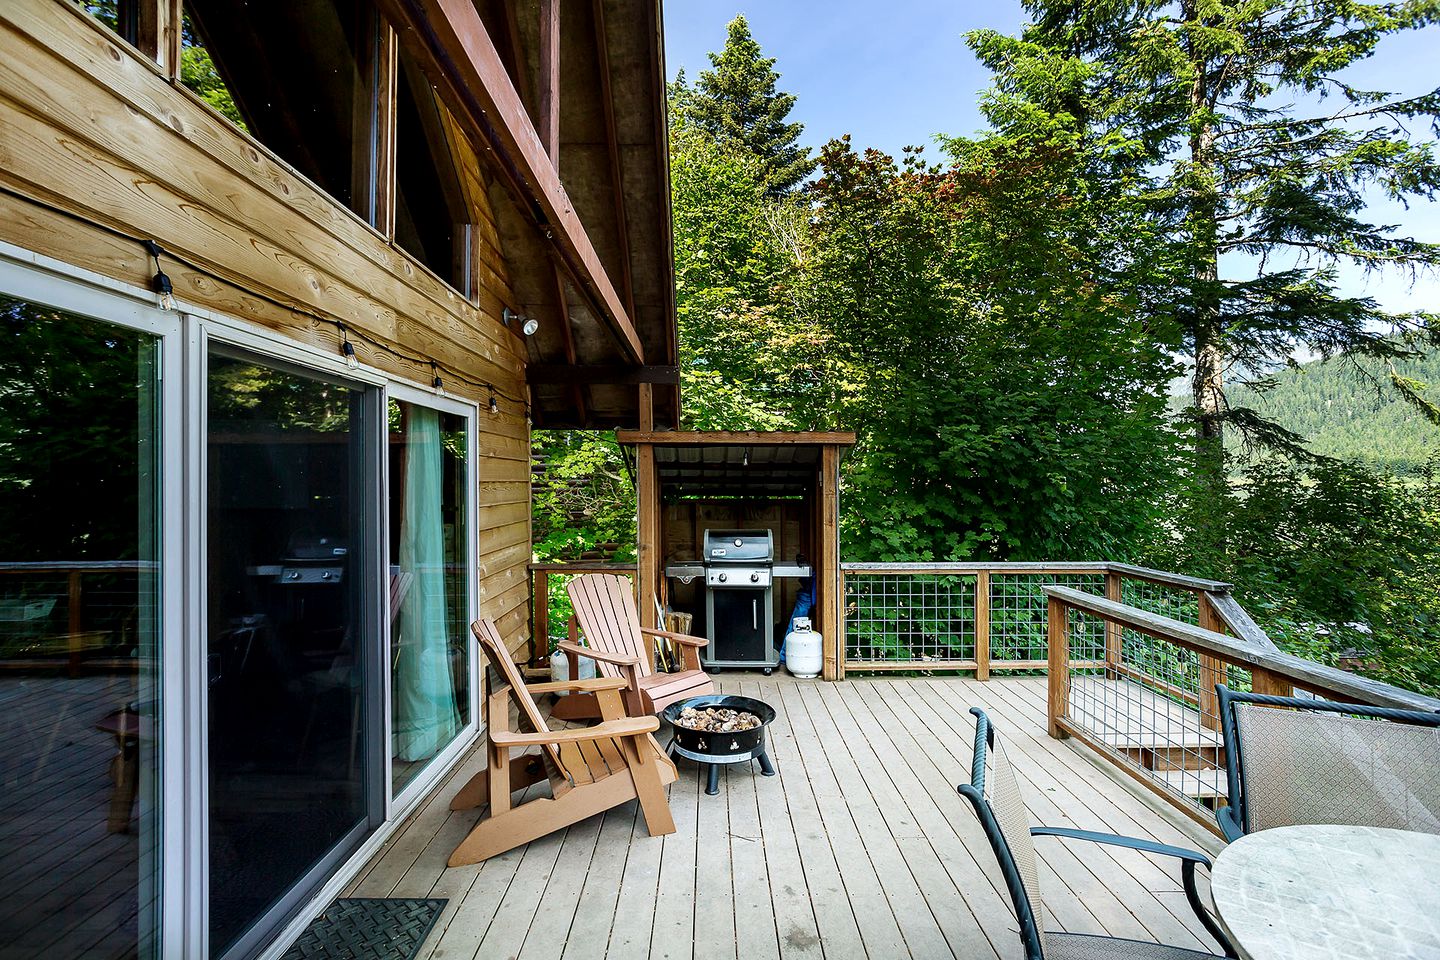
column 368, row 929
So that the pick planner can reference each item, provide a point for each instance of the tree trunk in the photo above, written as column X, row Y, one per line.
column 1208, row 331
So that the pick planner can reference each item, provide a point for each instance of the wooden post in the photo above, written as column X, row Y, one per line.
column 647, row 528
column 158, row 33
column 829, row 581
column 1114, row 634
column 1270, row 684
column 982, row 625
column 74, row 622
column 1058, row 640
column 1212, row 669
column 540, row 629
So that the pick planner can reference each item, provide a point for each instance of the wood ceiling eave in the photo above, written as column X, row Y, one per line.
column 466, row 66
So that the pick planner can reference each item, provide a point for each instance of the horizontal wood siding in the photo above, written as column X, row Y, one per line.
column 92, row 133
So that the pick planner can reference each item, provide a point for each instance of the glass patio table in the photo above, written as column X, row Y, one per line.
column 1323, row 891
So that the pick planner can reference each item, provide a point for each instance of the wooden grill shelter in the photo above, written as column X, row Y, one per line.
column 785, row 482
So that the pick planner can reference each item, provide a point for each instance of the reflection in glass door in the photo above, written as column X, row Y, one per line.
column 79, row 637
column 290, row 484
column 429, row 586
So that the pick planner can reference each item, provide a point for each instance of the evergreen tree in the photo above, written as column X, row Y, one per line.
column 737, row 101
column 1253, row 145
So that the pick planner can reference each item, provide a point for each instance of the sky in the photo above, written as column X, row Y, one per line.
column 896, row 73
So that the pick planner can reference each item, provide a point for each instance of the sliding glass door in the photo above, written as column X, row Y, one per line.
column 292, row 499
column 430, row 533
column 80, row 627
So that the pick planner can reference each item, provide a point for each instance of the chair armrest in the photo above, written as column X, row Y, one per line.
column 1130, row 843
column 624, row 727
column 677, row 637
column 579, row 686
column 1229, row 824
column 615, row 658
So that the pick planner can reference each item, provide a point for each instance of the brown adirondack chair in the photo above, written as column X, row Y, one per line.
column 622, row 648
column 590, row 769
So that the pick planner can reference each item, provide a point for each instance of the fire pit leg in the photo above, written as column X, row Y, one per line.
column 713, row 787
column 766, row 767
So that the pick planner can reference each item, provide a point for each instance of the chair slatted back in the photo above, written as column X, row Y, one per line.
column 1304, row 767
column 504, row 668
column 605, row 608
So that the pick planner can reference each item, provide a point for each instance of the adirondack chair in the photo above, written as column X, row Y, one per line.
column 622, row 648
column 590, row 769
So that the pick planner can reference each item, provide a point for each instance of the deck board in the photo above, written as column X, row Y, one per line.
column 859, row 847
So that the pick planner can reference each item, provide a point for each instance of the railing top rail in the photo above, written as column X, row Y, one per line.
column 1038, row 568
column 1169, row 579
column 62, row 566
column 582, row 566
column 1306, row 672
column 1239, row 621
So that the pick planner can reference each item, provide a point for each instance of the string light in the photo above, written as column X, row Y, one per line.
column 494, row 406
column 435, row 380
column 162, row 283
column 347, row 350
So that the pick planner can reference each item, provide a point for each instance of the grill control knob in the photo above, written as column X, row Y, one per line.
column 754, row 578
column 739, row 542
column 723, row 578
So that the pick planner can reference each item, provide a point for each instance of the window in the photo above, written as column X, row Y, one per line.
column 299, row 76
column 291, row 490
column 437, row 186
column 80, row 827
column 429, row 585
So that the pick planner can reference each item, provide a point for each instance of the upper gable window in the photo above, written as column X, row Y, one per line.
column 299, row 76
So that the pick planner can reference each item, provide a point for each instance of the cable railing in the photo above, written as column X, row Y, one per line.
column 1150, row 706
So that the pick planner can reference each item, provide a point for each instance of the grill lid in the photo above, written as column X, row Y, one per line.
column 739, row 546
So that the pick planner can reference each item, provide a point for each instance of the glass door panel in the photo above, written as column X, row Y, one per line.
column 429, row 586
column 79, row 636
column 289, row 488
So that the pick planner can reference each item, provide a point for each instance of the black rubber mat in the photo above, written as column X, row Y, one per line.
column 367, row 929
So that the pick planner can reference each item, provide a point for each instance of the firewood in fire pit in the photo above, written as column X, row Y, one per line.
column 717, row 720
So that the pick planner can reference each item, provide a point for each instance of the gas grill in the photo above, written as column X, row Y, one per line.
column 739, row 599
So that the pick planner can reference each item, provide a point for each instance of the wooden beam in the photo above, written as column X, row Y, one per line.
column 473, row 79
column 612, row 145
column 647, row 407
column 647, row 528
column 722, row 437
column 157, row 33
column 549, row 119
column 605, row 373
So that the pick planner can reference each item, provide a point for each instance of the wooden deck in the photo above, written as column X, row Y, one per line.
column 860, row 847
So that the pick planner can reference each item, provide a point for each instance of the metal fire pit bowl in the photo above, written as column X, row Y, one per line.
column 713, row 749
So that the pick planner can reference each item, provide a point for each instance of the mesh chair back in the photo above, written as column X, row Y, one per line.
column 1301, row 766
column 995, row 794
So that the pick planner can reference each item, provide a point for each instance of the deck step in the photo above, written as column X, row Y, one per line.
column 1200, row 784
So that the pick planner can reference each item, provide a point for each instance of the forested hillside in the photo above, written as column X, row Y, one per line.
column 1351, row 413
column 1000, row 316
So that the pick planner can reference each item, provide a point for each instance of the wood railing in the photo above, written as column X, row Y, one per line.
column 991, row 617
column 541, row 605
column 1149, row 705
column 92, row 617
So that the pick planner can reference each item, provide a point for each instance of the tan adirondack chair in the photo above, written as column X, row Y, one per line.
column 590, row 769
column 622, row 648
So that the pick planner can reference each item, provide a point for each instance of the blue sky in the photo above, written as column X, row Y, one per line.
column 898, row 72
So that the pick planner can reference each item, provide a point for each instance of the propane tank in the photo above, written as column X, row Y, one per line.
column 803, row 656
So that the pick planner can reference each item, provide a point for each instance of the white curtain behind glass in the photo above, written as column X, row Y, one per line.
column 425, row 716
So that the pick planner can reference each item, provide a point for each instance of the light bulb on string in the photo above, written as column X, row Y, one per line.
column 494, row 404
column 347, row 350
column 435, row 380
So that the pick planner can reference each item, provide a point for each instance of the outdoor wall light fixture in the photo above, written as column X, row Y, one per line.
column 528, row 325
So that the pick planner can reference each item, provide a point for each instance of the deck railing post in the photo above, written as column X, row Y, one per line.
column 982, row 625
column 1212, row 669
column 540, row 628
column 1058, row 640
column 1114, row 635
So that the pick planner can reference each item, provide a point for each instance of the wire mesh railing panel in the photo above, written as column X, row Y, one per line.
column 1018, row 617
column 1156, row 657
column 1150, row 714
column 909, row 617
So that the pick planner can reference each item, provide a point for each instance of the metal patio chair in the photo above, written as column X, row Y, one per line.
column 1325, row 762
column 995, row 794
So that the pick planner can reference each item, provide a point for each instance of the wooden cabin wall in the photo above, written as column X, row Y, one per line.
column 91, row 128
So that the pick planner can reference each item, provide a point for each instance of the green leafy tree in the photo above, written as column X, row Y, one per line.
column 737, row 101
column 1259, row 158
